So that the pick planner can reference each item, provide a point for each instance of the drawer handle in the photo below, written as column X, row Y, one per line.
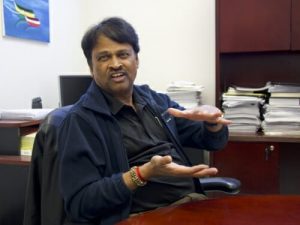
column 268, row 151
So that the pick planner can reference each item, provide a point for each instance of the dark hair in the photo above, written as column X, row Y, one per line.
column 117, row 29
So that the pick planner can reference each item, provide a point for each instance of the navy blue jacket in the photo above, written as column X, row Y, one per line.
column 93, row 156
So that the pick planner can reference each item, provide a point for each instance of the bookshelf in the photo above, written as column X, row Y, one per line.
column 11, row 132
column 13, row 169
column 247, row 55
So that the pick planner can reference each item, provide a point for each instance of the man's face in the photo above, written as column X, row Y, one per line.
column 114, row 66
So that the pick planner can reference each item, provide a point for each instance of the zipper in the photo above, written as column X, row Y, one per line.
column 178, row 146
column 163, row 124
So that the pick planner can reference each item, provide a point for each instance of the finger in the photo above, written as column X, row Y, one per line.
column 223, row 121
column 206, row 172
column 184, row 171
column 176, row 112
column 158, row 160
column 199, row 167
column 198, row 113
column 191, row 114
column 166, row 160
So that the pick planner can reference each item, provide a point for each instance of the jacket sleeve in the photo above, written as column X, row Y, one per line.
column 44, row 204
column 91, row 189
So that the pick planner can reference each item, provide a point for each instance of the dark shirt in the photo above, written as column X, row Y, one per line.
column 144, row 137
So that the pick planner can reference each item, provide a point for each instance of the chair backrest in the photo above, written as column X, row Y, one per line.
column 44, row 204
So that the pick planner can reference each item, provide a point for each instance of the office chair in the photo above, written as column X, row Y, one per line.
column 44, row 204
column 227, row 185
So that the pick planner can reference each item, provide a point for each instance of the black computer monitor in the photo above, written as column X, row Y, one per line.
column 71, row 87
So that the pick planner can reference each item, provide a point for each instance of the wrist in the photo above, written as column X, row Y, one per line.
column 139, row 175
column 136, row 177
column 146, row 171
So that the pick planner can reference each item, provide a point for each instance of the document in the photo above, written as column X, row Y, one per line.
column 26, row 144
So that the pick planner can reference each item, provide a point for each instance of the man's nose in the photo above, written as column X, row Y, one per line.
column 115, row 63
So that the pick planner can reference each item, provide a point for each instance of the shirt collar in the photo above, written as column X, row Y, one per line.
column 116, row 105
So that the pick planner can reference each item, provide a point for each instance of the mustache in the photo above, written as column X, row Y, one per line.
column 113, row 72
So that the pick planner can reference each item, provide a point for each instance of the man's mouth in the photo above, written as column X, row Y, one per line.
column 115, row 75
column 118, row 76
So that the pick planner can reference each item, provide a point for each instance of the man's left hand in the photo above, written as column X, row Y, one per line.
column 206, row 113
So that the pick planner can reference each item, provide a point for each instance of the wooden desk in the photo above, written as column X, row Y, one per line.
column 233, row 210
column 15, row 160
column 26, row 126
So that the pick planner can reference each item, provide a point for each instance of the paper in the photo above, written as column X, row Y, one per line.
column 24, row 114
column 250, row 89
column 185, row 93
column 27, row 142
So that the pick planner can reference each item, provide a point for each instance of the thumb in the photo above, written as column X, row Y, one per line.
column 161, row 160
column 176, row 112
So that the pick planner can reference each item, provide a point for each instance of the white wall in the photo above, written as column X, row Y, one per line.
column 177, row 39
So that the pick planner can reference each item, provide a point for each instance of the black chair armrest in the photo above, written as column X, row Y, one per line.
column 224, row 184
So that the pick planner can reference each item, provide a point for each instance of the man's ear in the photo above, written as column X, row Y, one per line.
column 91, row 72
column 137, row 61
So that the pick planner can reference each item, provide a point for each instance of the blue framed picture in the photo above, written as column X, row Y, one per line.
column 27, row 19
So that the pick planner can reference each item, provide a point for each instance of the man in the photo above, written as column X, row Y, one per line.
column 121, row 144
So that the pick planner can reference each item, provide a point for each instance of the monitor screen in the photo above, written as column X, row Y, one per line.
column 71, row 87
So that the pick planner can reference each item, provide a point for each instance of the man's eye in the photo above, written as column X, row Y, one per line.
column 103, row 58
column 124, row 55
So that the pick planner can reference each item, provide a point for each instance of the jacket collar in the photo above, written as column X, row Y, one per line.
column 94, row 99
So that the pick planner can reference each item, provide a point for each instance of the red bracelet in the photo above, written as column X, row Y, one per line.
column 138, row 173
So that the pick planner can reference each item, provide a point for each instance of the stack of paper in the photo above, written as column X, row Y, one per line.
column 284, row 94
column 185, row 93
column 24, row 114
column 282, row 114
column 242, row 106
column 282, row 120
column 284, row 88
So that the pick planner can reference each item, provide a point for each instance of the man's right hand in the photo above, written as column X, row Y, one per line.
column 164, row 166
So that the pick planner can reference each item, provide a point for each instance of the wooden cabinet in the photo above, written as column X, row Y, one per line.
column 256, row 165
column 258, row 25
column 295, row 30
column 258, row 41
column 250, row 34
column 263, row 164
column 254, row 25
